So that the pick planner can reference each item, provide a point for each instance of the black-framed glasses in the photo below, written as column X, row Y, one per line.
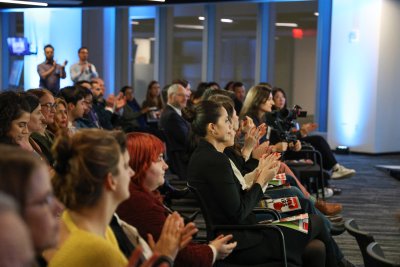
column 50, row 105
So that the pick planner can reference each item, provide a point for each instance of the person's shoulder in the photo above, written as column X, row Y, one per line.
column 84, row 249
column 209, row 155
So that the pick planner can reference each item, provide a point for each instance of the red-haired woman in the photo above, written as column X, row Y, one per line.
column 145, row 210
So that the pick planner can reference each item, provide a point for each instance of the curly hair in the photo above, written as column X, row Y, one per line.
column 12, row 106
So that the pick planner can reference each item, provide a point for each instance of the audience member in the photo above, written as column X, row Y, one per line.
column 14, row 118
column 145, row 208
column 92, row 177
column 50, row 72
column 329, row 161
column 83, row 70
column 229, row 86
column 99, row 105
column 35, row 125
column 60, row 119
column 240, row 94
column 153, row 96
column 129, row 94
column 74, row 97
column 27, row 180
column 15, row 244
column 44, row 138
column 210, row 171
column 176, row 129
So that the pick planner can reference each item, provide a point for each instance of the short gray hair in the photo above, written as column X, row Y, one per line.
column 173, row 89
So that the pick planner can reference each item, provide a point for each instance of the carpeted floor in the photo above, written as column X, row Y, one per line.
column 372, row 198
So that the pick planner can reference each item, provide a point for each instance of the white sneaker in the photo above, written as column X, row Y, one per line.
column 328, row 192
column 341, row 172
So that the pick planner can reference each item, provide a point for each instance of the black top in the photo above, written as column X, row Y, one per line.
column 211, row 173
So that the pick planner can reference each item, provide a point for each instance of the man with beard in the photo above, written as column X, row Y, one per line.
column 50, row 72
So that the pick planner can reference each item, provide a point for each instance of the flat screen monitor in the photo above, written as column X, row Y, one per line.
column 18, row 46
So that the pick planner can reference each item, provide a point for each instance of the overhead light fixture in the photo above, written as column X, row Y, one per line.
column 157, row 0
column 202, row 18
column 316, row 14
column 227, row 20
column 133, row 22
column 17, row 2
column 188, row 26
column 286, row 24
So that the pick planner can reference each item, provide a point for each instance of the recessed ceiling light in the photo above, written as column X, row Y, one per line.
column 226, row 20
column 157, row 0
column 17, row 2
column 316, row 14
column 286, row 24
column 202, row 18
column 191, row 27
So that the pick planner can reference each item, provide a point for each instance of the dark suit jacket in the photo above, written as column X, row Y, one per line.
column 176, row 130
column 144, row 211
column 211, row 173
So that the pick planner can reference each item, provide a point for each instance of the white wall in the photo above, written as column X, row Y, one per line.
column 353, row 83
column 364, row 76
column 388, row 97
column 304, row 73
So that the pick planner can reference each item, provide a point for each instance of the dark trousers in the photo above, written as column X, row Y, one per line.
column 320, row 144
column 267, row 251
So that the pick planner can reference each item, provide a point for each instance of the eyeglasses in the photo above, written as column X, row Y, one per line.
column 50, row 105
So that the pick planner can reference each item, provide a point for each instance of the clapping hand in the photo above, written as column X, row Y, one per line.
column 174, row 236
column 222, row 246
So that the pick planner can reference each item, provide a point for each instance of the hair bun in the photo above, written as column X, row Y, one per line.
column 62, row 152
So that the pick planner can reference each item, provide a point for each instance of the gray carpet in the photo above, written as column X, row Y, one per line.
column 372, row 198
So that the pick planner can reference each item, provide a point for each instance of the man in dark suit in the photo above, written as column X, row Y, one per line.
column 176, row 129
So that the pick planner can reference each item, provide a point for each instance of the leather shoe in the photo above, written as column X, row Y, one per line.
column 328, row 208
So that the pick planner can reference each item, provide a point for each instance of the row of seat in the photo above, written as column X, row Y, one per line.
column 371, row 251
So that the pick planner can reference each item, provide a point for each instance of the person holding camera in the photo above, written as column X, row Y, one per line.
column 329, row 161
column 50, row 72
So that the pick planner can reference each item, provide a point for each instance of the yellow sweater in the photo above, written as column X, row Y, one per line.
column 85, row 249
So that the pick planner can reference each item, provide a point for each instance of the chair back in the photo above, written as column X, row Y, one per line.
column 363, row 239
column 205, row 213
column 378, row 258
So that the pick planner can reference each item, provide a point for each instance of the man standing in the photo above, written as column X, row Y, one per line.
column 176, row 129
column 83, row 70
column 50, row 72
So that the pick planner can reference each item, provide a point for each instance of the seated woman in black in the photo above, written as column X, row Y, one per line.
column 210, row 171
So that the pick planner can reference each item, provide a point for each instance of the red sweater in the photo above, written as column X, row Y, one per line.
column 147, row 214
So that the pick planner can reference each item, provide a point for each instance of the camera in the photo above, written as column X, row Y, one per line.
column 283, row 121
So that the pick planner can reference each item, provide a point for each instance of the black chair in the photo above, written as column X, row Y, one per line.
column 363, row 239
column 212, row 230
column 306, row 171
column 378, row 258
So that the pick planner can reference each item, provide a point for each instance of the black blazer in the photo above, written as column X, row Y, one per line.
column 176, row 130
column 211, row 173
